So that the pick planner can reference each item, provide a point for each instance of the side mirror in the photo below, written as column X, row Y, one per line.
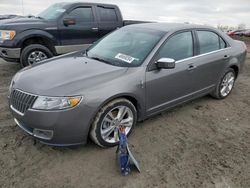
column 165, row 63
column 69, row 21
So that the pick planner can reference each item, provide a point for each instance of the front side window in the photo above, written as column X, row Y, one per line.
column 126, row 47
column 107, row 14
column 83, row 14
column 210, row 41
column 178, row 47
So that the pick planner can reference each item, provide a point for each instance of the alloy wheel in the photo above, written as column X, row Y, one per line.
column 227, row 84
column 118, row 116
column 36, row 56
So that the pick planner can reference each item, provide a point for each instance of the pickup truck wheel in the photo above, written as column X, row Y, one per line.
column 104, row 130
column 34, row 53
column 225, row 84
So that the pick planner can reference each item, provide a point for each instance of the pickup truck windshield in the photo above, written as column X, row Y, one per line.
column 53, row 12
column 126, row 47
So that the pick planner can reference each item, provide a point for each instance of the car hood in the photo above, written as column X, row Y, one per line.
column 65, row 76
column 24, row 22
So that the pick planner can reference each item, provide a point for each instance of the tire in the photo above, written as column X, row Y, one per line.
column 218, row 94
column 37, row 49
column 113, row 107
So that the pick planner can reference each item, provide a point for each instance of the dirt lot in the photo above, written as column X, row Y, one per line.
column 204, row 143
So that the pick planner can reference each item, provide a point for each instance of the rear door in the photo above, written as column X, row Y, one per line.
column 84, row 31
column 213, row 56
column 109, row 19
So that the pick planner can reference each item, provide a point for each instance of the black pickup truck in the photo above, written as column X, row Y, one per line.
column 61, row 28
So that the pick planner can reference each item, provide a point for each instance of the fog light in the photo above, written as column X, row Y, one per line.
column 43, row 134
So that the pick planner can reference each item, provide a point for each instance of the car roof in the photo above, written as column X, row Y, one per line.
column 86, row 3
column 166, row 27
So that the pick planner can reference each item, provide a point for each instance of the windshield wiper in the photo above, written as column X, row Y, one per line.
column 39, row 17
column 86, row 53
column 99, row 59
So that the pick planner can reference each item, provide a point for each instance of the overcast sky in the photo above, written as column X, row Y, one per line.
column 211, row 12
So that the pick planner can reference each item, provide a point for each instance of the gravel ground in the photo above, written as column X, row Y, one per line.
column 204, row 143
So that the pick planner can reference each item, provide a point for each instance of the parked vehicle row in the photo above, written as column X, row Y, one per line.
column 129, row 75
column 241, row 33
column 61, row 28
column 247, row 33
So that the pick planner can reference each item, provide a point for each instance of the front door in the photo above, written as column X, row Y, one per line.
column 85, row 29
column 168, row 87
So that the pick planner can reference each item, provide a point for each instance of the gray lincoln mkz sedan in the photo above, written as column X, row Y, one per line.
column 131, row 74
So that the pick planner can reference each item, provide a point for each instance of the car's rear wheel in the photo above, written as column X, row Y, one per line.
column 34, row 53
column 225, row 84
column 104, row 130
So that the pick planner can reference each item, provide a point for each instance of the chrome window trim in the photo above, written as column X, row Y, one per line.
column 201, row 55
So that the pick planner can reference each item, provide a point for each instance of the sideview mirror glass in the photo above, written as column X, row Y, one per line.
column 166, row 63
column 69, row 21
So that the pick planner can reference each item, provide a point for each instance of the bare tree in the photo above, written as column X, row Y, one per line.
column 242, row 26
column 224, row 28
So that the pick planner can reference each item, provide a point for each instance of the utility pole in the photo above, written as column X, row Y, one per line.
column 22, row 8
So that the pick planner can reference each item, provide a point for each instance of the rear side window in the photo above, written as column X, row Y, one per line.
column 83, row 14
column 223, row 44
column 107, row 14
column 210, row 41
column 178, row 47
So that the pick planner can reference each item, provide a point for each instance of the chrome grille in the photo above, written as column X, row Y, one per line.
column 22, row 101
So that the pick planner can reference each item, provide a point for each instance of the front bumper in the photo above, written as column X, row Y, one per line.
column 10, row 53
column 67, row 127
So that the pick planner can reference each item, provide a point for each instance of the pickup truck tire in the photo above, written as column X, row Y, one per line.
column 34, row 53
column 104, row 127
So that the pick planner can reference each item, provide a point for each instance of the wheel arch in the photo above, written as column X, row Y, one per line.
column 132, row 98
column 236, row 69
column 37, row 37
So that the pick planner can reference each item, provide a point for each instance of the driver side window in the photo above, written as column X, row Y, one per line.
column 82, row 14
column 178, row 47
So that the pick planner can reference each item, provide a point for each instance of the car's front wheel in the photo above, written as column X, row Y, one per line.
column 225, row 85
column 104, row 130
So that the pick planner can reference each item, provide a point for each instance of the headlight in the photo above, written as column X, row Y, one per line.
column 7, row 35
column 56, row 103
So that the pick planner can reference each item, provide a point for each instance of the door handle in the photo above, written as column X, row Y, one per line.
column 95, row 29
column 191, row 67
column 226, row 57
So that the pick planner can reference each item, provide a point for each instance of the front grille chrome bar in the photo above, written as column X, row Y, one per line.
column 21, row 101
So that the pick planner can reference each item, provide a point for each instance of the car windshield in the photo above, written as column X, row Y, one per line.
column 126, row 47
column 53, row 12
